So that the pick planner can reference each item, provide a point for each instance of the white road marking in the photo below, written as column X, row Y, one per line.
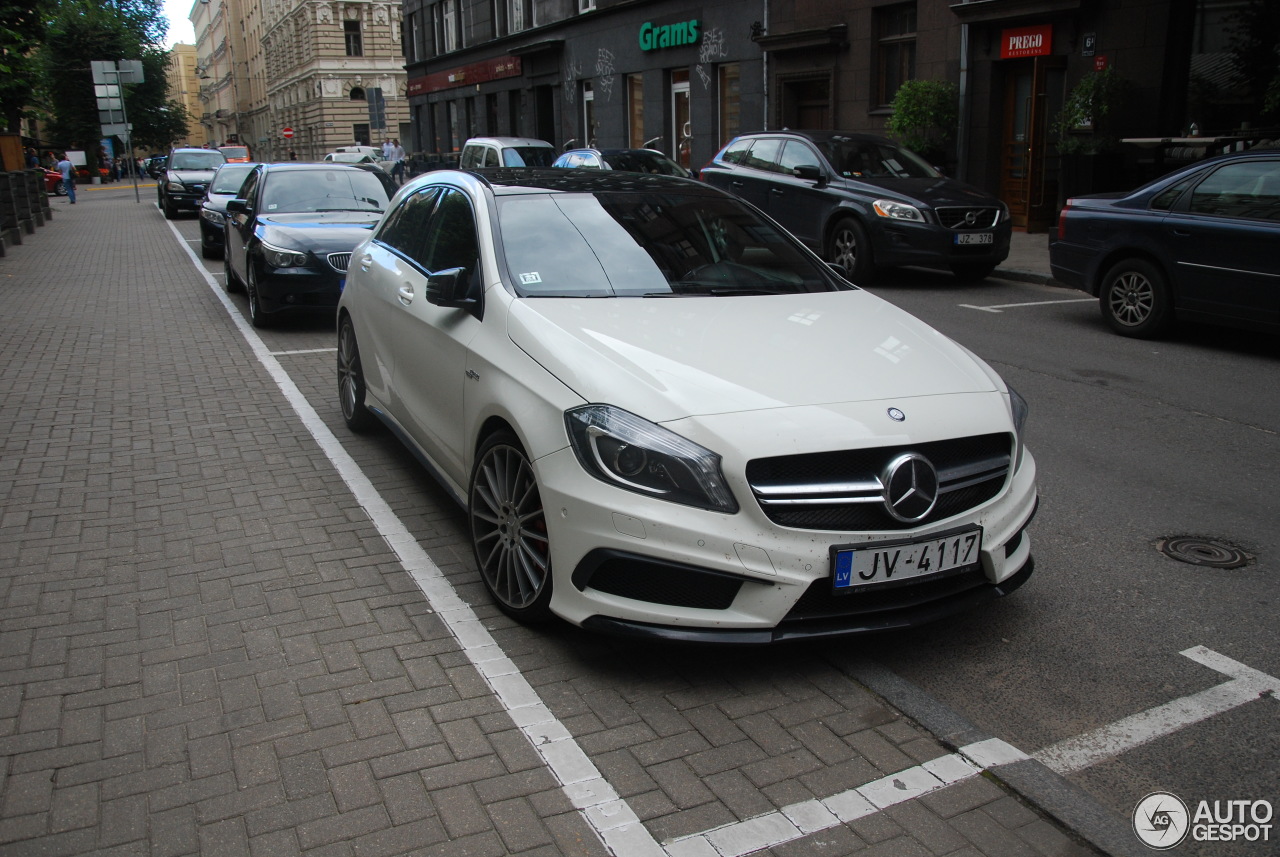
column 1247, row 684
column 1003, row 307
column 303, row 351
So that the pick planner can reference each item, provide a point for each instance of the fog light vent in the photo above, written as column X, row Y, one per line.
column 1206, row 552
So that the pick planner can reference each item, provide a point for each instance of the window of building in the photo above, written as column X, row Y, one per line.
column 588, row 115
column 895, row 28
column 357, row 94
column 730, row 93
column 360, row 133
column 413, row 40
column 635, row 110
column 449, row 21
column 355, row 42
column 586, row 6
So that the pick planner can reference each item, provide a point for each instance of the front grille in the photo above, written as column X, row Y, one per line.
column 819, row 602
column 340, row 261
column 842, row 490
column 959, row 218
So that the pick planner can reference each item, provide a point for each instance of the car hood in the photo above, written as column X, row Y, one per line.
column 671, row 358
column 932, row 192
column 319, row 230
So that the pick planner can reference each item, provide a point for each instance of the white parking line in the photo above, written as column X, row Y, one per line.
column 1247, row 684
column 1003, row 307
column 303, row 351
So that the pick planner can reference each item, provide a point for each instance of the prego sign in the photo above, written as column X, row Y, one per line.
column 1026, row 42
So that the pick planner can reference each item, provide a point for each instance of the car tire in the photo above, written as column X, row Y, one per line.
column 208, row 249
column 1135, row 299
column 230, row 281
column 257, row 317
column 60, row 188
column 849, row 247
column 170, row 210
column 509, row 531
column 351, row 387
column 973, row 272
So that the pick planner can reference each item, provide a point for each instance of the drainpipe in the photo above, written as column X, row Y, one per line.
column 764, row 66
column 962, row 133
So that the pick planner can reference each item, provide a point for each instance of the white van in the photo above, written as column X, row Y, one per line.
column 506, row 152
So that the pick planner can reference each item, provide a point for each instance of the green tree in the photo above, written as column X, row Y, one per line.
column 925, row 113
column 22, row 30
column 1255, row 47
column 80, row 32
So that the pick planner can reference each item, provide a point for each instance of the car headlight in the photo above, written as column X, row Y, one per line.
column 897, row 210
column 177, row 187
column 620, row 448
column 212, row 216
column 278, row 257
column 1020, row 411
column 1004, row 213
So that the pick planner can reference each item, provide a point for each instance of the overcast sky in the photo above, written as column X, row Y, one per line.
column 179, row 27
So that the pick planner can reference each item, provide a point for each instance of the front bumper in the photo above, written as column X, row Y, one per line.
column 291, row 289
column 632, row 565
column 933, row 246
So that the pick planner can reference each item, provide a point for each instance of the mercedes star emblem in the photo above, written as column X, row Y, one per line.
column 910, row 487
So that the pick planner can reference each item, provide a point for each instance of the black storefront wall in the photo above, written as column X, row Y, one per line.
column 602, row 50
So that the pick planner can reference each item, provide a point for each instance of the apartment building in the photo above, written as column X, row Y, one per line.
column 300, row 77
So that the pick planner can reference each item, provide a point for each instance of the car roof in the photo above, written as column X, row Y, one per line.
column 189, row 149
column 515, row 180
column 821, row 136
column 509, row 141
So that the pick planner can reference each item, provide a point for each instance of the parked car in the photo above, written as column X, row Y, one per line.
column 154, row 165
column 291, row 229
column 479, row 152
column 1198, row 244
column 213, row 208
column 620, row 378
column 864, row 202
column 628, row 160
column 53, row 183
column 235, row 154
column 187, row 174
column 359, row 158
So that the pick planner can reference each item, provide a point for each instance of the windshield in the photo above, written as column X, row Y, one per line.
column 234, row 151
column 338, row 189
column 528, row 156
column 649, row 244
column 645, row 162
column 209, row 160
column 229, row 178
column 868, row 159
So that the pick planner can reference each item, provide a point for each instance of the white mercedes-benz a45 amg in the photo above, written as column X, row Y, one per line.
column 665, row 417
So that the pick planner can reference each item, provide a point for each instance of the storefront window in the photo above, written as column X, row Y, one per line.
column 635, row 110
column 681, row 123
column 895, row 50
column 730, row 102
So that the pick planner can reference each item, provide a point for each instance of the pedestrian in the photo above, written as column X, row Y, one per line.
column 33, row 160
column 397, row 155
column 293, row 156
column 386, row 150
column 68, row 171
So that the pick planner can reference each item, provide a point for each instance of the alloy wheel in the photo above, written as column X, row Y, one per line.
column 1132, row 298
column 509, row 530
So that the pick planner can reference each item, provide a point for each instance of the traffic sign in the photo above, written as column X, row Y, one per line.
column 287, row 133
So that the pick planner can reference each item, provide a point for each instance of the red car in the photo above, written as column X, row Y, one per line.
column 53, row 183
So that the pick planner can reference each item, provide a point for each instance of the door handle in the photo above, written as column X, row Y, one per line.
column 735, row 184
column 406, row 294
column 1182, row 233
column 365, row 261
column 776, row 190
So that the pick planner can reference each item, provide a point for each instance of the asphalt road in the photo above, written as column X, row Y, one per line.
column 1135, row 441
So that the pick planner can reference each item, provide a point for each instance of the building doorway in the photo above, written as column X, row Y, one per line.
column 806, row 102
column 681, row 125
column 1029, row 163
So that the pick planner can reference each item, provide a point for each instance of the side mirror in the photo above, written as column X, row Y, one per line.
column 811, row 173
column 236, row 205
column 453, row 288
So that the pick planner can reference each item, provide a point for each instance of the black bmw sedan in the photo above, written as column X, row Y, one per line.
column 291, row 230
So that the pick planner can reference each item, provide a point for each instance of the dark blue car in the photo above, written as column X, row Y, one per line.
column 1202, row 243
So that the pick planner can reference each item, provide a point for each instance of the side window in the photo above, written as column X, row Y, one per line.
column 471, row 156
column 406, row 227
column 736, row 153
column 764, row 155
column 1165, row 199
column 491, row 158
column 451, row 236
column 1246, row 190
column 796, row 154
column 249, row 192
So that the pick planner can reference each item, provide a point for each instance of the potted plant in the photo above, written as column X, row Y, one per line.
column 925, row 113
column 1085, row 136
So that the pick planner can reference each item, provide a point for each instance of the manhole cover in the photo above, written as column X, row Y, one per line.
column 1207, row 552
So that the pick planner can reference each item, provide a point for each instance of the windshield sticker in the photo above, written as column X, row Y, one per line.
column 530, row 279
column 271, row 207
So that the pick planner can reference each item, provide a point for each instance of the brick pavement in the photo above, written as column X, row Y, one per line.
column 207, row 648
